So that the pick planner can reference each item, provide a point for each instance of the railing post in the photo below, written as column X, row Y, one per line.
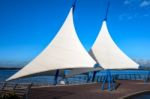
column 56, row 77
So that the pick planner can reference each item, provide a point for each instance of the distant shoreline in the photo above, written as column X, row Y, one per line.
column 10, row 68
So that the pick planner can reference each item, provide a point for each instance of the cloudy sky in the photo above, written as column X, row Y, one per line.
column 28, row 26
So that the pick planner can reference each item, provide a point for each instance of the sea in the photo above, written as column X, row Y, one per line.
column 142, row 96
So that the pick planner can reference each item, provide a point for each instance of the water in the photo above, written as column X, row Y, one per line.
column 4, row 74
column 145, row 95
column 123, row 74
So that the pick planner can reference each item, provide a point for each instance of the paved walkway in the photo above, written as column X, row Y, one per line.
column 91, row 91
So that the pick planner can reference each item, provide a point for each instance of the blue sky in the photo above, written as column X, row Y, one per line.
column 27, row 26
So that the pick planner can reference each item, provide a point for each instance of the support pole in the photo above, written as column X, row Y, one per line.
column 109, row 79
column 74, row 5
column 56, row 77
column 107, row 9
column 104, row 81
column 94, row 75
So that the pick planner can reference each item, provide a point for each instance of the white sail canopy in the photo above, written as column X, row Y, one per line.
column 108, row 55
column 65, row 51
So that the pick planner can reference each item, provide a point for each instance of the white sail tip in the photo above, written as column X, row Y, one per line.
column 13, row 77
column 8, row 79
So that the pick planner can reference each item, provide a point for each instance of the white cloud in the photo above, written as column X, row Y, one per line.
column 130, row 17
column 145, row 3
column 130, row 2
column 126, row 2
column 137, row 3
column 127, row 16
column 146, row 15
column 122, row 16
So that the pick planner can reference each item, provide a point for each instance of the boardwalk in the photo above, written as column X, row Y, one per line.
column 90, row 91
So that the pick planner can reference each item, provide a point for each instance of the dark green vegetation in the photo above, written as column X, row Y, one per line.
column 10, row 95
